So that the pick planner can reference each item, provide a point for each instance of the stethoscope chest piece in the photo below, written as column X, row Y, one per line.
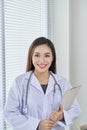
column 25, row 110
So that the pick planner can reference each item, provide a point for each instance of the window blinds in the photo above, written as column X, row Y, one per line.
column 2, row 66
column 23, row 21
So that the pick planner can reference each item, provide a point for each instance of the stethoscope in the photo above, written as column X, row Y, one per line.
column 24, row 107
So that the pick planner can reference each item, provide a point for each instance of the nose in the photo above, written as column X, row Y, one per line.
column 41, row 59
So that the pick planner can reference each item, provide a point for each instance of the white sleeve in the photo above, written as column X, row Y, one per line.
column 13, row 115
column 70, row 115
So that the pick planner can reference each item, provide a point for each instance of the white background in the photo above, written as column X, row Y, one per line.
column 70, row 37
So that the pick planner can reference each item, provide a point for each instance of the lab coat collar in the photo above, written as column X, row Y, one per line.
column 51, row 83
column 35, row 83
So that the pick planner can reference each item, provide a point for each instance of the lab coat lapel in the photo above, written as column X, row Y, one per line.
column 35, row 83
column 50, row 85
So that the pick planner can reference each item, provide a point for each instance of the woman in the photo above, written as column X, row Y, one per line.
column 34, row 100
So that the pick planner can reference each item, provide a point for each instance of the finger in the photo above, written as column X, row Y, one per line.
column 51, row 124
column 53, row 118
column 54, row 113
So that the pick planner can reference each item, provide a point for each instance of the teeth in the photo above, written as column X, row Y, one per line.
column 42, row 65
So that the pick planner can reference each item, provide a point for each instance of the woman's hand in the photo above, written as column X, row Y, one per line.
column 57, row 115
column 46, row 124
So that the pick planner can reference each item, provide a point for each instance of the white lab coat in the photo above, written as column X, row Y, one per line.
column 40, row 105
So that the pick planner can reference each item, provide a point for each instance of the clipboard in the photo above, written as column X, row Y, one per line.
column 69, row 97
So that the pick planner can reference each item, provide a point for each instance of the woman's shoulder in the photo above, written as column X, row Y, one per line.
column 20, row 80
column 23, row 76
column 58, row 77
column 64, row 83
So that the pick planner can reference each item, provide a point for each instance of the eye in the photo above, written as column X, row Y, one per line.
column 47, row 55
column 36, row 55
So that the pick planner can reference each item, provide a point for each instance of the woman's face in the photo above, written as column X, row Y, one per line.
column 42, row 58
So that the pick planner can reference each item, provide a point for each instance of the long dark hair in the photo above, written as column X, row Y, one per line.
column 35, row 43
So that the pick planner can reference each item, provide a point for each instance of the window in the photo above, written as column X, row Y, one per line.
column 2, row 66
column 21, row 21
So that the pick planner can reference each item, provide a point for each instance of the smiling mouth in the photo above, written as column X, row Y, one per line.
column 42, row 65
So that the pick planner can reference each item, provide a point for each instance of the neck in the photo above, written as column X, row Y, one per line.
column 43, row 77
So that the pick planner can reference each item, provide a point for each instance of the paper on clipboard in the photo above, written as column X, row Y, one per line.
column 69, row 97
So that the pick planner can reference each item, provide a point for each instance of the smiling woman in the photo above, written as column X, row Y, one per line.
column 34, row 99
column 42, row 58
column 41, row 51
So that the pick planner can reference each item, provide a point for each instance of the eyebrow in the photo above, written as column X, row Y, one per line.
column 44, row 53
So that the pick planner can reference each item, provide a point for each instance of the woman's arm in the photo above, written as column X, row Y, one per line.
column 12, row 111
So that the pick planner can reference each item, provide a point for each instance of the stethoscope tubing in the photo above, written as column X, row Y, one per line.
column 24, row 109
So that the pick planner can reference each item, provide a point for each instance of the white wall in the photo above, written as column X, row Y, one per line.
column 70, row 38
column 61, row 36
column 78, row 53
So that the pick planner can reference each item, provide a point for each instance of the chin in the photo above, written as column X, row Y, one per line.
column 42, row 70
